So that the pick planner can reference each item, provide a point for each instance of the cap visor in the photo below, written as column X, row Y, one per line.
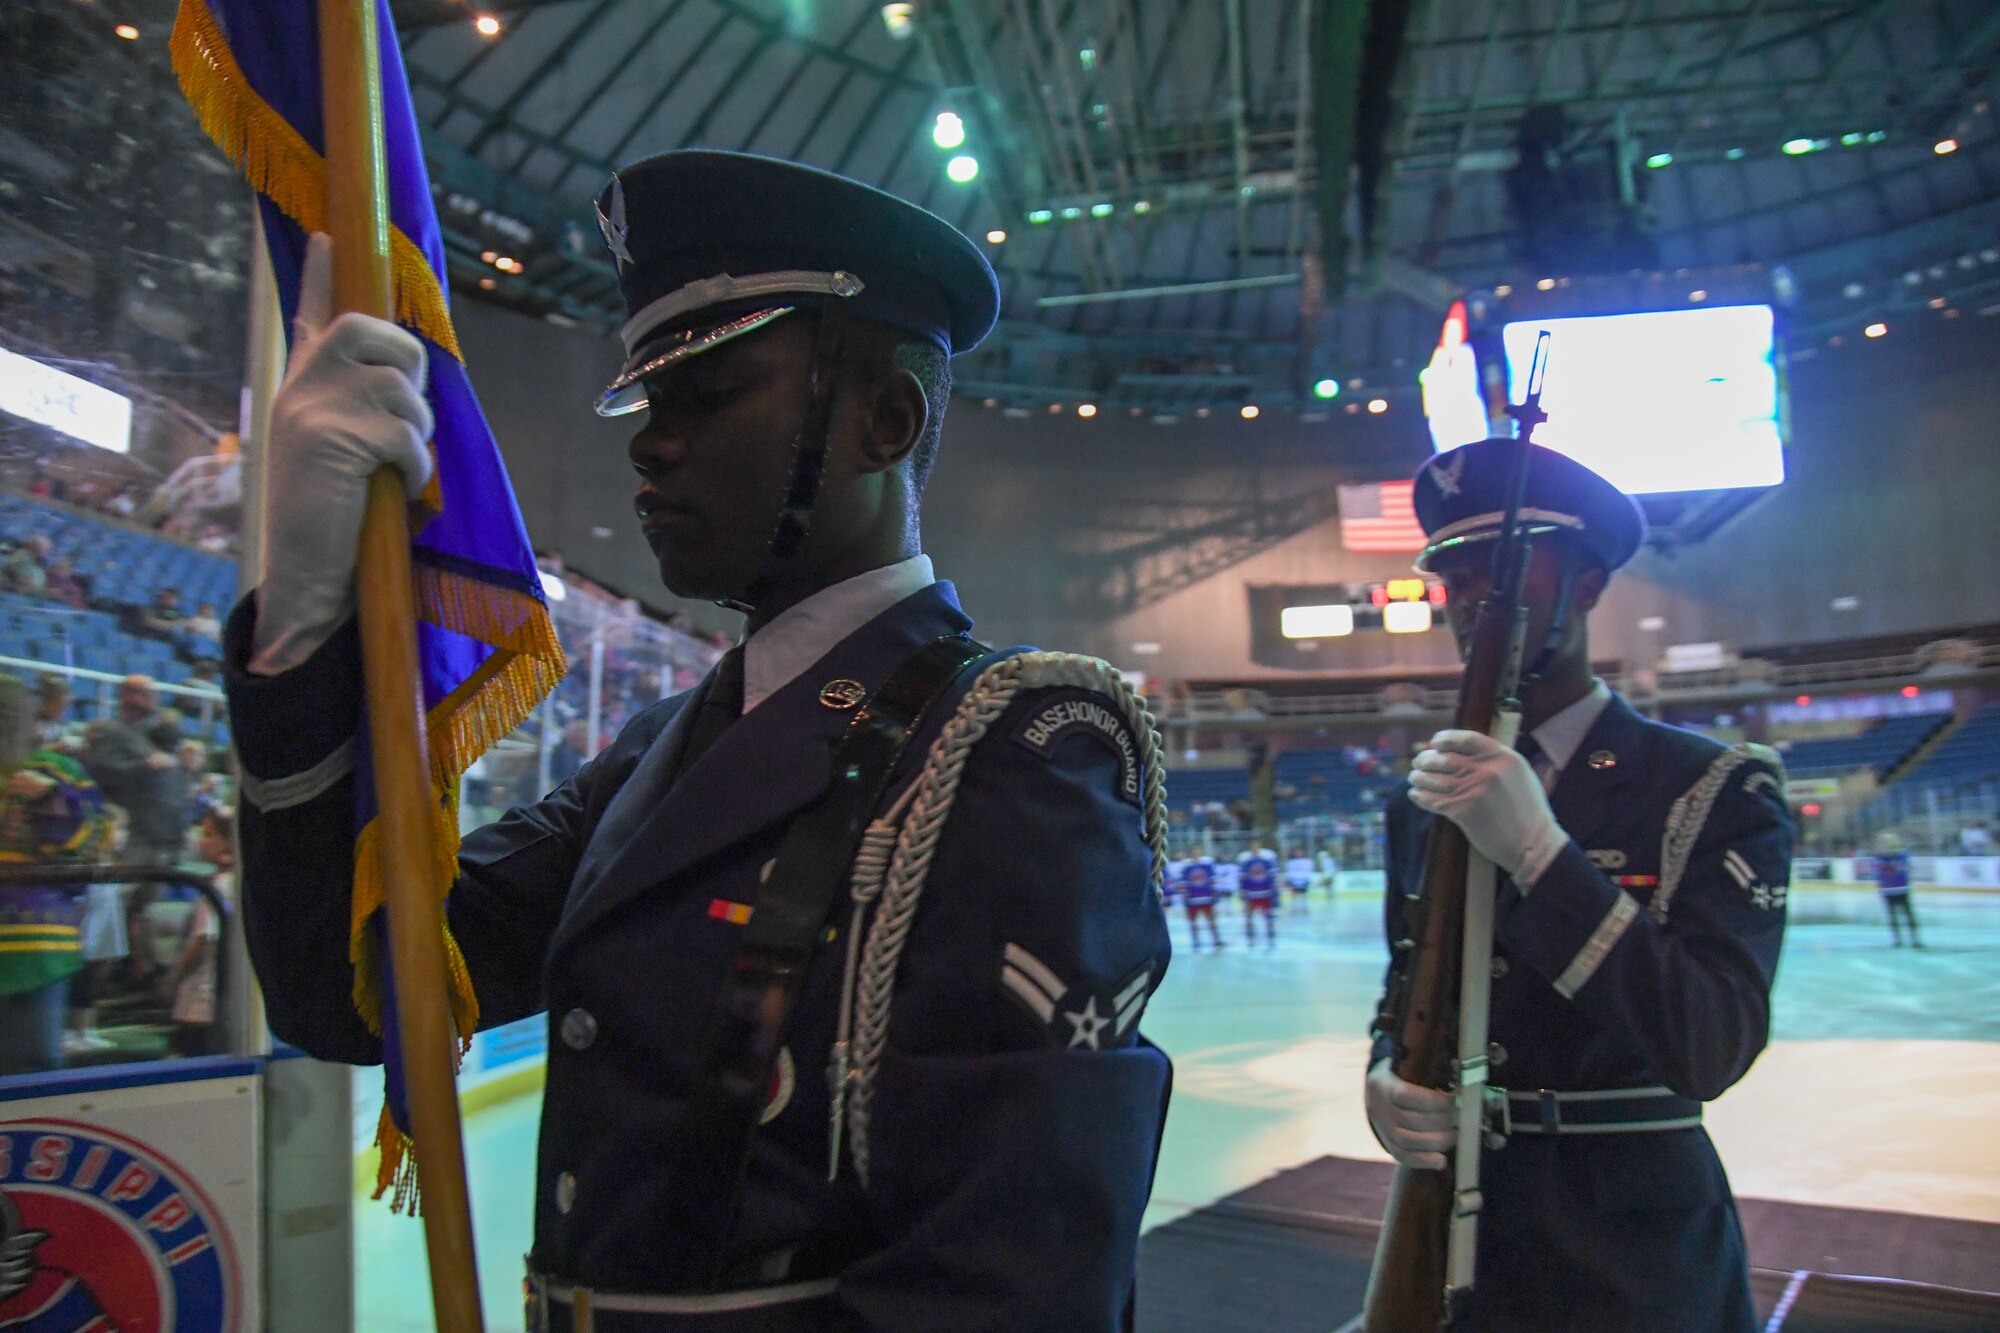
column 627, row 393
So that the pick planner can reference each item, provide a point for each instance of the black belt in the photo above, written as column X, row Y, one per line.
column 767, row 972
column 1598, row 1111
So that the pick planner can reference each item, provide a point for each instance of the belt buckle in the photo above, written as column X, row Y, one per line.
column 1550, row 1111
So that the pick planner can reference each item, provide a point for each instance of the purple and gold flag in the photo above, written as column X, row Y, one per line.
column 251, row 70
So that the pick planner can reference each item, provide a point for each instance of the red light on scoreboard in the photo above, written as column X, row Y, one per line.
column 1910, row 691
column 1436, row 594
column 1803, row 700
column 1809, row 808
column 1378, row 595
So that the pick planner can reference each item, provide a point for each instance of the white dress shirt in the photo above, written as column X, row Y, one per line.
column 1562, row 735
column 777, row 654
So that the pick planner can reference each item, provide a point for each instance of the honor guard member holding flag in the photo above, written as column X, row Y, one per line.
column 789, row 1087
column 1636, row 937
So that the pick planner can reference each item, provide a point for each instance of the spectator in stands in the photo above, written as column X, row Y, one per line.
column 146, row 779
column 25, row 569
column 49, row 811
column 62, row 585
column 1974, row 840
column 165, row 616
column 204, row 623
column 52, row 726
column 190, row 982
column 122, row 504
column 1892, row 881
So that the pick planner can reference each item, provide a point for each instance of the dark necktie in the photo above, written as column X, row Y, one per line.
column 722, row 705
column 1538, row 759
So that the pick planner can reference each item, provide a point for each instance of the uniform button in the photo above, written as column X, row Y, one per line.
column 579, row 1029
column 1499, row 968
column 565, row 1192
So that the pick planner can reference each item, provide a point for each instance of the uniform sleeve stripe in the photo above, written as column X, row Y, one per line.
column 269, row 794
column 1137, row 987
column 1130, row 1012
column 1738, row 868
column 1609, row 931
column 1037, row 970
column 1028, row 993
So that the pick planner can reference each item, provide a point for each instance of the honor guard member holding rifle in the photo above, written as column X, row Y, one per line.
column 954, row 1126
column 1636, row 937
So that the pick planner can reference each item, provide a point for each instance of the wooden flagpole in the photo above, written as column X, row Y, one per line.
column 357, row 217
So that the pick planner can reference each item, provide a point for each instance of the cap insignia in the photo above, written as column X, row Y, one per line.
column 1446, row 478
column 842, row 695
column 614, row 226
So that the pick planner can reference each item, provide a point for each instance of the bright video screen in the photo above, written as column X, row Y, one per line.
column 1671, row 400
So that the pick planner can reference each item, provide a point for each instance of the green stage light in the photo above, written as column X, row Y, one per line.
column 1327, row 389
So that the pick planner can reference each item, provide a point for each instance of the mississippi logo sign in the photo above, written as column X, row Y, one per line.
column 100, row 1234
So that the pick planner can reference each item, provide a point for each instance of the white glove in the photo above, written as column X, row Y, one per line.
column 1417, row 1125
column 352, row 402
column 1492, row 793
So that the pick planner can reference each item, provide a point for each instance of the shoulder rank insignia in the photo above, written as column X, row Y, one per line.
column 1050, row 725
column 1767, row 897
column 1073, row 1016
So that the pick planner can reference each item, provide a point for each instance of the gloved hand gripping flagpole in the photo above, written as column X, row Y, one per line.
column 357, row 217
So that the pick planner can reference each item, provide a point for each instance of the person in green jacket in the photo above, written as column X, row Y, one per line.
column 50, row 811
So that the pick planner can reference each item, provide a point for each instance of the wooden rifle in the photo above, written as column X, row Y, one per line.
column 1434, row 1008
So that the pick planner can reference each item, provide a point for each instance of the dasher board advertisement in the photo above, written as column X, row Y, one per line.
column 133, row 1207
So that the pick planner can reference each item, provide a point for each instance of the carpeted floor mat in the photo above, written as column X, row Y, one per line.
column 1290, row 1254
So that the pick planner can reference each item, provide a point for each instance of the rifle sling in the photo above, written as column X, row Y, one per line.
column 747, row 1025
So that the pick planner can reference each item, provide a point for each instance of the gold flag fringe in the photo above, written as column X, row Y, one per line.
column 282, row 166
column 528, row 662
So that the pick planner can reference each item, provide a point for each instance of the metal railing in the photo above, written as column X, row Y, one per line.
column 1752, row 677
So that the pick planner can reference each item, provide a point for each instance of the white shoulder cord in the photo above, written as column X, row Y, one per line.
column 895, row 858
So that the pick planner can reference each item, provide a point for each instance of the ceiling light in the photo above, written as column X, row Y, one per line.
column 1698, row 294
column 1378, row 405
column 962, row 169
column 1249, row 411
column 488, row 256
column 1201, row 411
column 1072, row 212
column 486, row 284
column 899, row 19
column 1660, row 160
column 1504, row 289
column 1851, row 139
column 1876, row 330
column 1937, row 303
column 1086, row 409
column 1100, row 210
column 1795, row 147
column 1142, row 206
column 1326, row 389
column 488, row 25
column 127, row 31
column 1734, row 154
column 553, row 586
column 1545, row 284
column 1087, row 57
column 949, row 132
column 1039, row 216
column 1943, row 146
column 996, row 237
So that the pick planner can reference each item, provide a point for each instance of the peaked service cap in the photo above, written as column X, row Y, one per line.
column 711, row 245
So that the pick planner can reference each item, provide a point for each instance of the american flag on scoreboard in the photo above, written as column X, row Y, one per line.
column 1378, row 516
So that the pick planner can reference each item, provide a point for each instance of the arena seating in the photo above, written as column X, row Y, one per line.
column 1326, row 783
column 1198, row 786
column 124, row 570
column 1881, row 747
column 1970, row 754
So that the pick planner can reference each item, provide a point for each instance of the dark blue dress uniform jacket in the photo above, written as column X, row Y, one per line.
column 1634, row 1231
column 1011, row 1161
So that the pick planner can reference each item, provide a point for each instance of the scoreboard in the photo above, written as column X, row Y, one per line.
column 1332, row 611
